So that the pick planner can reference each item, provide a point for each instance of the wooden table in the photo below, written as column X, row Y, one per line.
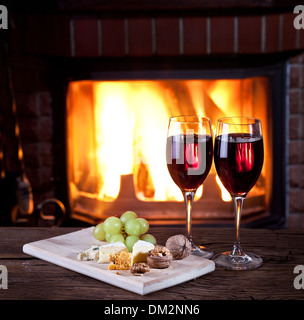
column 281, row 250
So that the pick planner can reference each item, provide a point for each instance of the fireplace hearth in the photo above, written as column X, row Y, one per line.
column 253, row 49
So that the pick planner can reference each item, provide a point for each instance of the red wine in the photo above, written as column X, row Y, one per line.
column 238, row 159
column 189, row 158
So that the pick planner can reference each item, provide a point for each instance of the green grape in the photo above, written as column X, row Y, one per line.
column 99, row 233
column 127, row 216
column 130, row 241
column 117, row 238
column 108, row 237
column 133, row 227
column 144, row 225
column 149, row 238
column 112, row 225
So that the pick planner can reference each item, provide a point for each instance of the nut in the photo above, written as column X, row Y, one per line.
column 159, row 257
column 140, row 267
column 179, row 246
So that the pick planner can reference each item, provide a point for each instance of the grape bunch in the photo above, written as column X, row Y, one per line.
column 127, row 229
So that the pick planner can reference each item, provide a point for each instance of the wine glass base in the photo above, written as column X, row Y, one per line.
column 201, row 251
column 247, row 261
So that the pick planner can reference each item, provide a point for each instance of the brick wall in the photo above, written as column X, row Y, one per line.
column 295, row 142
column 37, row 37
column 34, row 107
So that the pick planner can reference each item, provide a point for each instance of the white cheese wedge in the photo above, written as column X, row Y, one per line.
column 83, row 255
column 89, row 254
column 94, row 253
column 111, row 248
column 140, row 251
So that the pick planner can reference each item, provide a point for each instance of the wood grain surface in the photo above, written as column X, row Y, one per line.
column 281, row 250
column 62, row 251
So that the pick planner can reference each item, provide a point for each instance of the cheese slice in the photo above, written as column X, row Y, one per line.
column 140, row 251
column 120, row 261
column 111, row 248
column 91, row 253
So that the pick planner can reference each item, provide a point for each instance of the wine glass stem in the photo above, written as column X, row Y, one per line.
column 238, row 206
column 188, row 197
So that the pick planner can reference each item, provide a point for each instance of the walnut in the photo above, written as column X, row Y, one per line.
column 139, row 267
column 159, row 257
column 179, row 246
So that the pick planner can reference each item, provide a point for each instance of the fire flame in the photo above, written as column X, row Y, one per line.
column 127, row 131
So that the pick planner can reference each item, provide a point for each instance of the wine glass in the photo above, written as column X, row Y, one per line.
column 238, row 157
column 189, row 158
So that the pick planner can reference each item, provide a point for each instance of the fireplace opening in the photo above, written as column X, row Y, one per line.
column 115, row 126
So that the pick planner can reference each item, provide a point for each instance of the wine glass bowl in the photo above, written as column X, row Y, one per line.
column 238, row 158
column 189, row 153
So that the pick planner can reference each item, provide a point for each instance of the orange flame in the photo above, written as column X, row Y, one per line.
column 117, row 128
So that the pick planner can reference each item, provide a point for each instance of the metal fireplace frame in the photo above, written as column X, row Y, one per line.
column 273, row 66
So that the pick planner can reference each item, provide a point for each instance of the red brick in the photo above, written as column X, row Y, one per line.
column 294, row 127
column 294, row 102
column 272, row 34
column 46, row 154
column 222, row 34
column 249, row 35
column 27, row 104
column 31, row 155
column 302, row 221
column 46, row 130
column 294, row 176
column 295, row 59
column 294, row 200
column 302, row 208
column 301, row 70
column 140, row 37
column 167, row 36
column 294, row 79
column 301, row 39
column 29, row 129
column 113, row 37
column 289, row 32
column 293, row 221
column 195, row 35
column 45, row 106
column 294, row 156
column 46, row 175
column 86, row 37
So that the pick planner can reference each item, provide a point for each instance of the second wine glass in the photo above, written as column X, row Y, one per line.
column 189, row 159
column 238, row 157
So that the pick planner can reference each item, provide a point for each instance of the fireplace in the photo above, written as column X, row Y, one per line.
column 180, row 58
column 111, row 116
